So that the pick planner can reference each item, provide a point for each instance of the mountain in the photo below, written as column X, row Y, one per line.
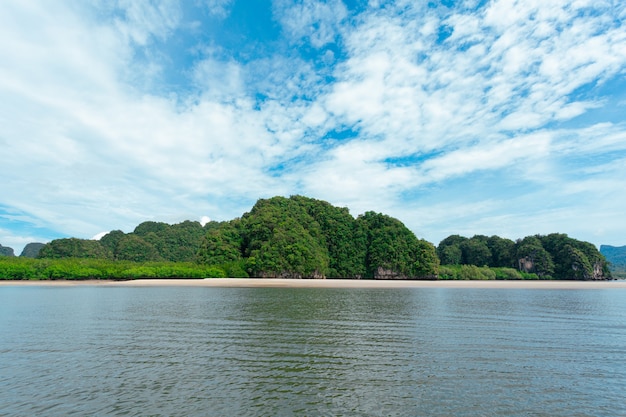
column 616, row 255
column 301, row 237
column 6, row 251
column 32, row 250
column 295, row 237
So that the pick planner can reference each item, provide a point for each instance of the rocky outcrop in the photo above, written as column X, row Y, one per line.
column 6, row 251
column 32, row 250
column 383, row 273
column 292, row 275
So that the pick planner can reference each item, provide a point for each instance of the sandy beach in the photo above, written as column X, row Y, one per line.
column 328, row 283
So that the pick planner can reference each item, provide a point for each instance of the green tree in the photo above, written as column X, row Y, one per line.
column 532, row 257
column 281, row 239
column 133, row 248
column 346, row 242
column 150, row 227
column 575, row 259
column 393, row 251
column 502, row 252
column 221, row 245
column 449, row 250
column 74, row 248
column 111, row 240
column 476, row 252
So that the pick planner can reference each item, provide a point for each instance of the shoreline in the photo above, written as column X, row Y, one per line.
column 324, row 283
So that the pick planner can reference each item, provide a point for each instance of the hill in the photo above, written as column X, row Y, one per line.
column 295, row 237
column 6, row 251
column 32, row 250
column 553, row 256
column 301, row 237
column 616, row 255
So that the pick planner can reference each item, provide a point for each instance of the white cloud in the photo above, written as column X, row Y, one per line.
column 88, row 148
column 218, row 8
column 313, row 20
column 139, row 21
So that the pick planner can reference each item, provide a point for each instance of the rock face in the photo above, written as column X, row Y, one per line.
column 32, row 250
column 383, row 273
column 293, row 275
column 6, row 251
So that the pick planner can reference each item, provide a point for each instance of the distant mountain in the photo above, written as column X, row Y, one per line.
column 616, row 255
column 6, row 251
column 32, row 250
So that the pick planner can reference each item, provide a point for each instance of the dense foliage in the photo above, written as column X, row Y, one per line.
column 304, row 237
column 296, row 237
column 553, row 256
column 300, row 237
column 21, row 268
column 150, row 241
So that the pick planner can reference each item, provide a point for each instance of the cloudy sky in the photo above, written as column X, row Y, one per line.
column 502, row 117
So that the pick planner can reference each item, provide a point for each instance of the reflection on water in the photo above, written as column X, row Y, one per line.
column 278, row 351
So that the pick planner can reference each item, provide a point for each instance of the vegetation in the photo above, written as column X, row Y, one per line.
column 296, row 237
column 21, row 268
column 554, row 256
column 300, row 237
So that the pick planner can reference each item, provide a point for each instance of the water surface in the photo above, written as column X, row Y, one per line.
column 176, row 351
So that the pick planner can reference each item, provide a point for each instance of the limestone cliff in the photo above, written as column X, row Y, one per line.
column 6, row 251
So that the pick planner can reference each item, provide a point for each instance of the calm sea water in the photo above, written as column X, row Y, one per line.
column 175, row 351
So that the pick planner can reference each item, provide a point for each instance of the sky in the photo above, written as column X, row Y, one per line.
column 501, row 117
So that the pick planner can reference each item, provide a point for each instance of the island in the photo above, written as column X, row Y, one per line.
column 299, row 237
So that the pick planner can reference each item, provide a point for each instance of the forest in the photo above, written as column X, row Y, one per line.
column 301, row 237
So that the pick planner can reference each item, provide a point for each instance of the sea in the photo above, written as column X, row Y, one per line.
column 197, row 351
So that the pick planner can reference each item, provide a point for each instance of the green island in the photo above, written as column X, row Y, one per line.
column 301, row 237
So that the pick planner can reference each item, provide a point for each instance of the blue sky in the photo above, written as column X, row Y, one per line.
column 456, row 117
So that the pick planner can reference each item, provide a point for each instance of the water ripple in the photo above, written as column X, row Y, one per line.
column 283, row 352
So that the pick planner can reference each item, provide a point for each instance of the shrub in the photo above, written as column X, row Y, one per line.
column 507, row 274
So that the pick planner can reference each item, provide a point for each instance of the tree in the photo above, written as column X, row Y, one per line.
column 281, row 239
column 74, row 248
column 393, row 251
column 476, row 252
column 146, row 227
column 574, row 259
column 133, row 248
column 111, row 240
column 502, row 252
column 449, row 250
column 221, row 245
column 346, row 242
column 532, row 257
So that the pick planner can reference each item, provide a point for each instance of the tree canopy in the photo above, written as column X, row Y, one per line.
column 551, row 256
column 301, row 237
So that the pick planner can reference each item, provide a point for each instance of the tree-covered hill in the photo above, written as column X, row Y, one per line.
column 553, row 256
column 296, row 237
column 300, row 237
